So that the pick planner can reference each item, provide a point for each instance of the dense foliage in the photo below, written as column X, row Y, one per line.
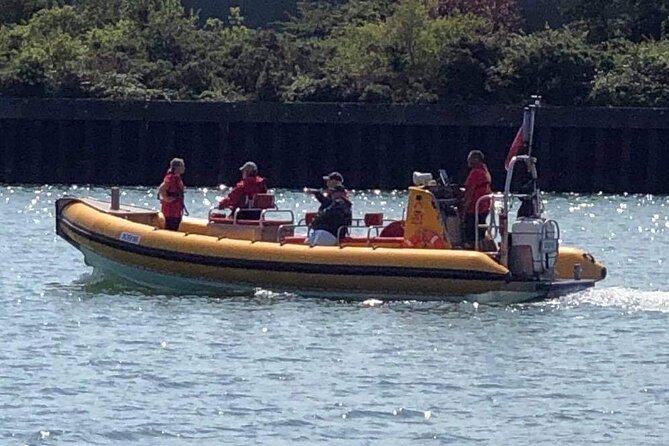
column 407, row 51
column 635, row 20
column 502, row 13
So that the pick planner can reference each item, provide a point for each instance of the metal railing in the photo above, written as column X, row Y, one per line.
column 262, row 221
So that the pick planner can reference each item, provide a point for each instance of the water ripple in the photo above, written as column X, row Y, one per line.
column 89, row 360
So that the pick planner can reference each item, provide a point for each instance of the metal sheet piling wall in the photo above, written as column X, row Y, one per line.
column 374, row 145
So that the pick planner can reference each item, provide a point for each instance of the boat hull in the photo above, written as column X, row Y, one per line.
column 184, row 263
column 170, row 283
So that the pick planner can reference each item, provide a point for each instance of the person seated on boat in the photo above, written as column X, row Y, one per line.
column 332, row 180
column 242, row 194
column 171, row 195
column 335, row 213
column 477, row 185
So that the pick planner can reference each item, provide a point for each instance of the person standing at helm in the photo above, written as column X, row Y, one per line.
column 171, row 195
column 477, row 185
column 241, row 196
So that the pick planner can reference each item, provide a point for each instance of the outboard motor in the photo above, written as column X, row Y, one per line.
column 534, row 247
column 530, row 249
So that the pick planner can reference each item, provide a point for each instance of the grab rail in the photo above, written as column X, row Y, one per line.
column 264, row 213
column 283, row 228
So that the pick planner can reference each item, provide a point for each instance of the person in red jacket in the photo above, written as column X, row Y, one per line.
column 477, row 185
column 242, row 194
column 171, row 195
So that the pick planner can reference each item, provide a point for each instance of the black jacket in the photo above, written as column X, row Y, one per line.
column 324, row 200
column 333, row 215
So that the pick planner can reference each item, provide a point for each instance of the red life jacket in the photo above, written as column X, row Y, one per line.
column 243, row 192
column 478, row 181
column 175, row 189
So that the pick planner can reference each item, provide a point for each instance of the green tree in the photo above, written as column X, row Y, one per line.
column 45, row 56
column 18, row 11
column 322, row 18
column 468, row 48
column 388, row 60
column 558, row 64
column 413, row 57
column 639, row 76
column 629, row 19
column 501, row 13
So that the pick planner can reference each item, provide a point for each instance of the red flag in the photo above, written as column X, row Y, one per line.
column 516, row 145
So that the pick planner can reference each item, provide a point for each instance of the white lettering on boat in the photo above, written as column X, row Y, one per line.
column 130, row 238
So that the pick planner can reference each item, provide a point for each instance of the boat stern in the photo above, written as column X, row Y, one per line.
column 577, row 264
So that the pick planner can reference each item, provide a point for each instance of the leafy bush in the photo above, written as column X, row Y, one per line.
column 410, row 57
column 611, row 19
column 501, row 13
column 639, row 76
column 468, row 49
column 405, row 51
column 558, row 64
column 45, row 56
column 17, row 11
column 322, row 18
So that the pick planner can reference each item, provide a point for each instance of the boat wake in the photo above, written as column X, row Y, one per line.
column 625, row 298
column 96, row 282
column 269, row 295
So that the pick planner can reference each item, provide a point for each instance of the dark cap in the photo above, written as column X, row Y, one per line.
column 336, row 176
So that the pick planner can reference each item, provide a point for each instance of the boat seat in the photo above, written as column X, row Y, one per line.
column 350, row 239
column 256, row 206
column 265, row 222
column 369, row 219
column 394, row 229
column 219, row 220
column 386, row 240
column 294, row 239
column 373, row 219
column 357, row 241
column 230, row 221
column 364, row 241
column 309, row 217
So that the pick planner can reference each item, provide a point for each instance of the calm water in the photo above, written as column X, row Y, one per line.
column 85, row 360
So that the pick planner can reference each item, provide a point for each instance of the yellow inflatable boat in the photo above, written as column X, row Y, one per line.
column 204, row 255
column 420, row 257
